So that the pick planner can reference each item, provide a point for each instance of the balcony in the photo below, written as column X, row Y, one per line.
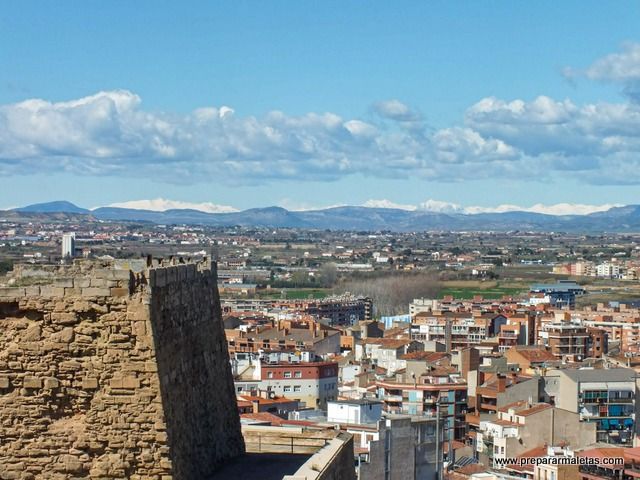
column 488, row 406
column 472, row 419
column 392, row 398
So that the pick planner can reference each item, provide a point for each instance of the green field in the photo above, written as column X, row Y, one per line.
column 295, row 293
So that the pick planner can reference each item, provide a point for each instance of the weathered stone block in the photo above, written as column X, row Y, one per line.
column 98, row 282
column 52, row 292
column 63, row 282
column 32, row 382
column 4, row 382
column 32, row 291
column 72, row 292
column 82, row 282
column 89, row 383
column 64, row 318
column 66, row 334
column 12, row 292
column 130, row 383
column 51, row 383
column 96, row 292
column 32, row 333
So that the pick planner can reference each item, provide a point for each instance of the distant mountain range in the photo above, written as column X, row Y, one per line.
column 617, row 219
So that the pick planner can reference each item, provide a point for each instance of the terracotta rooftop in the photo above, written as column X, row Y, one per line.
column 386, row 342
column 426, row 356
column 536, row 452
column 603, row 452
column 522, row 407
column 534, row 354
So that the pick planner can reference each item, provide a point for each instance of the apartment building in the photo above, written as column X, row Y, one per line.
column 605, row 397
column 386, row 352
column 439, row 390
column 500, row 389
column 285, row 337
column 456, row 331
column 524, row 425
column 565, row 339
column 304, row 379
column 559, row 295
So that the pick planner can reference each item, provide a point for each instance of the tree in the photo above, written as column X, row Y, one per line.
column 328, row 274
column 392, row 294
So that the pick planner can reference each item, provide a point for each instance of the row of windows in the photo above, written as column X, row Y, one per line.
column 287, row 388
column 297, row 374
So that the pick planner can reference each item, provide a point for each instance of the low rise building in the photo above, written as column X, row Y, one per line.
column 311, row 383
column 354, row 412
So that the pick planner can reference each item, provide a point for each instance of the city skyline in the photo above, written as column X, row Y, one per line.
column 441, row 107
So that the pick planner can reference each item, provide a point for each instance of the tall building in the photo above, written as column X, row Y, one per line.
column 424, row 395
column 606, row 397
column 68, row 245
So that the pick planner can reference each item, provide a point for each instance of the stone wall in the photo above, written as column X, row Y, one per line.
column 115, row 371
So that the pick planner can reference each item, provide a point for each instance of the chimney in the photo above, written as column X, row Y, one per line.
column 255, row 405
column 502, row 383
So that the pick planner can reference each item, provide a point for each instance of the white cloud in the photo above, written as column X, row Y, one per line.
column 110, row 133
column 396, row 110
column 621, row 67
column 162, row 204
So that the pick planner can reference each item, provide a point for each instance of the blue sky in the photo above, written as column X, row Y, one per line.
column 470, row 103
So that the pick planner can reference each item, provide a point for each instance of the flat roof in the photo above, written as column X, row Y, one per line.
column 359, row 401
column 265, row 466
column 601, row 374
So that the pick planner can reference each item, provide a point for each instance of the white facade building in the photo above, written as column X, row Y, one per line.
column 354, row 412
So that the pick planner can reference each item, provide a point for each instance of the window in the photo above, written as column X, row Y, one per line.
column 287, row 374
column 269, row 374
column 296, row 388
column 287, row 388
column 298, row 374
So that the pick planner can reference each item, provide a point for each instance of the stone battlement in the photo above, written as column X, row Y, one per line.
column 88, row 279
